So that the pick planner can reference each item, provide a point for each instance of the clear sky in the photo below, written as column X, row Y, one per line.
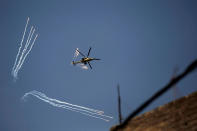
column 139, row 44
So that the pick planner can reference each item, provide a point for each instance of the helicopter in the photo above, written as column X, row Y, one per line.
column 86, row 59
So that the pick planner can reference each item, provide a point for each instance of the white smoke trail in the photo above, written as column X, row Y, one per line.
column 20, row 58
column 21, row 44
column 83, row 66
column 27, row 53
column 76, row 52
column 54, row 101
column 58, row 101
column 24, row 50
column 76, row 108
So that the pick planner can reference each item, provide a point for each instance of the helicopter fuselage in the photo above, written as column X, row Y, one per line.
column 84, row 60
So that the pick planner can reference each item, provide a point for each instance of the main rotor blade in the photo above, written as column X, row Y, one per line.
column 89, row 65
column 96, row 59
column 89, row 51
column 81, row 53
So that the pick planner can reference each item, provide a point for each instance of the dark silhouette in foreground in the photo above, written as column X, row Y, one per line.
column 176, row 79
column 119, row 105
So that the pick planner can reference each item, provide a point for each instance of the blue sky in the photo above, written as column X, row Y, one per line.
column 139, row 44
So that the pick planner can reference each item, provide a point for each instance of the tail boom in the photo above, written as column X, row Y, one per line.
column 74, row 63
